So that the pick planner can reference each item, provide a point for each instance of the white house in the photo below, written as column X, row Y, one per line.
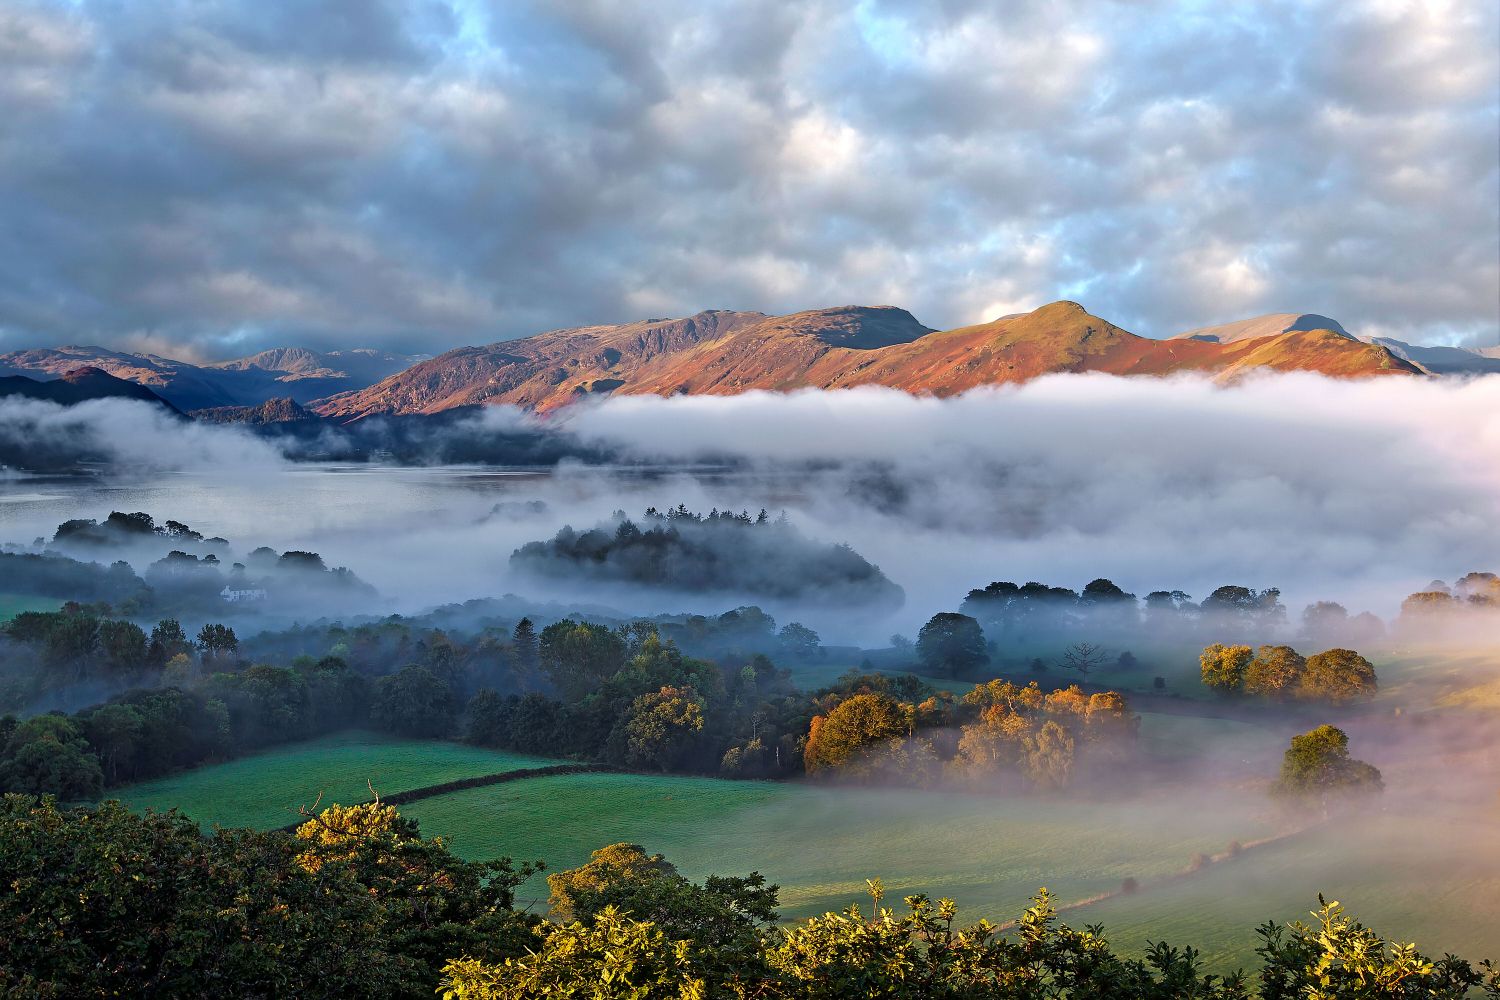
column 239, row 596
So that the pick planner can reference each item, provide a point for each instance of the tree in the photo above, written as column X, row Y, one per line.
column 1049, row 756
column 799, row 642
column 1340, row 957
column 661, row 727
column 836, row 742
column 1317, row 766
column 612, row 865
column 414, row 702
column 1325, row 620
column 102, row 901
column 114, row 732
column 1275, row 672
column 1223, row 667
column 47, row 755
column 579, row 656
column 1245, row 606
column 611, row 956
column 487, row 719
column 951, row 644
column 1084, row 657
column 525, row 641
column 216, row 640
column 721, row 919
column 168, row 640
column 1337, row 675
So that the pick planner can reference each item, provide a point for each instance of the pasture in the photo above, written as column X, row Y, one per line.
column 13, row 604
column 265, row 789
column 821, row 843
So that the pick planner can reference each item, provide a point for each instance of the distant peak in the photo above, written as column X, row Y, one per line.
column 1268, row 325
column 1062, row 307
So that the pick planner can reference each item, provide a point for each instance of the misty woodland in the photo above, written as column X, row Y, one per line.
column 749, row 500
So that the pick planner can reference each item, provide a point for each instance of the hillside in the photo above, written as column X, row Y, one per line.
column 283, row 410
column 304, row 375
column 724, row 353
column 1433, row 360
column 78, row 385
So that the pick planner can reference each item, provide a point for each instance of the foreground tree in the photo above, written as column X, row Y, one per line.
column 105, row 902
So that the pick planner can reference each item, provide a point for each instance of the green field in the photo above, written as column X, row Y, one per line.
column 13, row 604
column 1435, row 879
column 821, row 843
column 1438, row 886
column 265, row 789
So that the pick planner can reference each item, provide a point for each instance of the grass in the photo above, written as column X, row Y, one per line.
column 13, row 604
column 821, row 843
column 1431, row 877
column 265, row 789
column 1409, row 878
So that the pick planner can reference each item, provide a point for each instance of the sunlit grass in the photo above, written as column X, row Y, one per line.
column 264, row 790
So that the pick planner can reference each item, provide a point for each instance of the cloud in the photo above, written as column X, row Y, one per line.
column 1354, row 491
column 129, row 438
column 1358, row 491
column 419, row 176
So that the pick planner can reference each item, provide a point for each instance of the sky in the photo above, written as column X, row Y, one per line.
column 204, row 179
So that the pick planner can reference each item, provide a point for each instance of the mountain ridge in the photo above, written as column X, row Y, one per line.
column 301, row 373
column 722, row 353
column 80, row 385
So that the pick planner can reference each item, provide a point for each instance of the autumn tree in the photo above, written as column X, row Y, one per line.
column 1337, row 675
column 662, row 726
column 1223, row 667
column 837, row 741
column 1275, row 672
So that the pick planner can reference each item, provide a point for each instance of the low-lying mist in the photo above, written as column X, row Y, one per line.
column 1355, row 491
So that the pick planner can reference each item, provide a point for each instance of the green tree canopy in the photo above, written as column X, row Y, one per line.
column 1317, row 766
column 951, row 644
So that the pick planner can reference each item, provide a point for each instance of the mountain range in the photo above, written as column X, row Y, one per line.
column 78, row 385
column 293, row 372
column 720, row 352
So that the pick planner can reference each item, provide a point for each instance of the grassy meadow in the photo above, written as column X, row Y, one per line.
column 821, row 843
column 264, row 790
column 1424, row 865
column 13, row 604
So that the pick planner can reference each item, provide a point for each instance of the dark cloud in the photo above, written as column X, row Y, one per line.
column 231, row 175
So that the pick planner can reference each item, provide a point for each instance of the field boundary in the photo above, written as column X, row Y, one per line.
column 478, row 781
